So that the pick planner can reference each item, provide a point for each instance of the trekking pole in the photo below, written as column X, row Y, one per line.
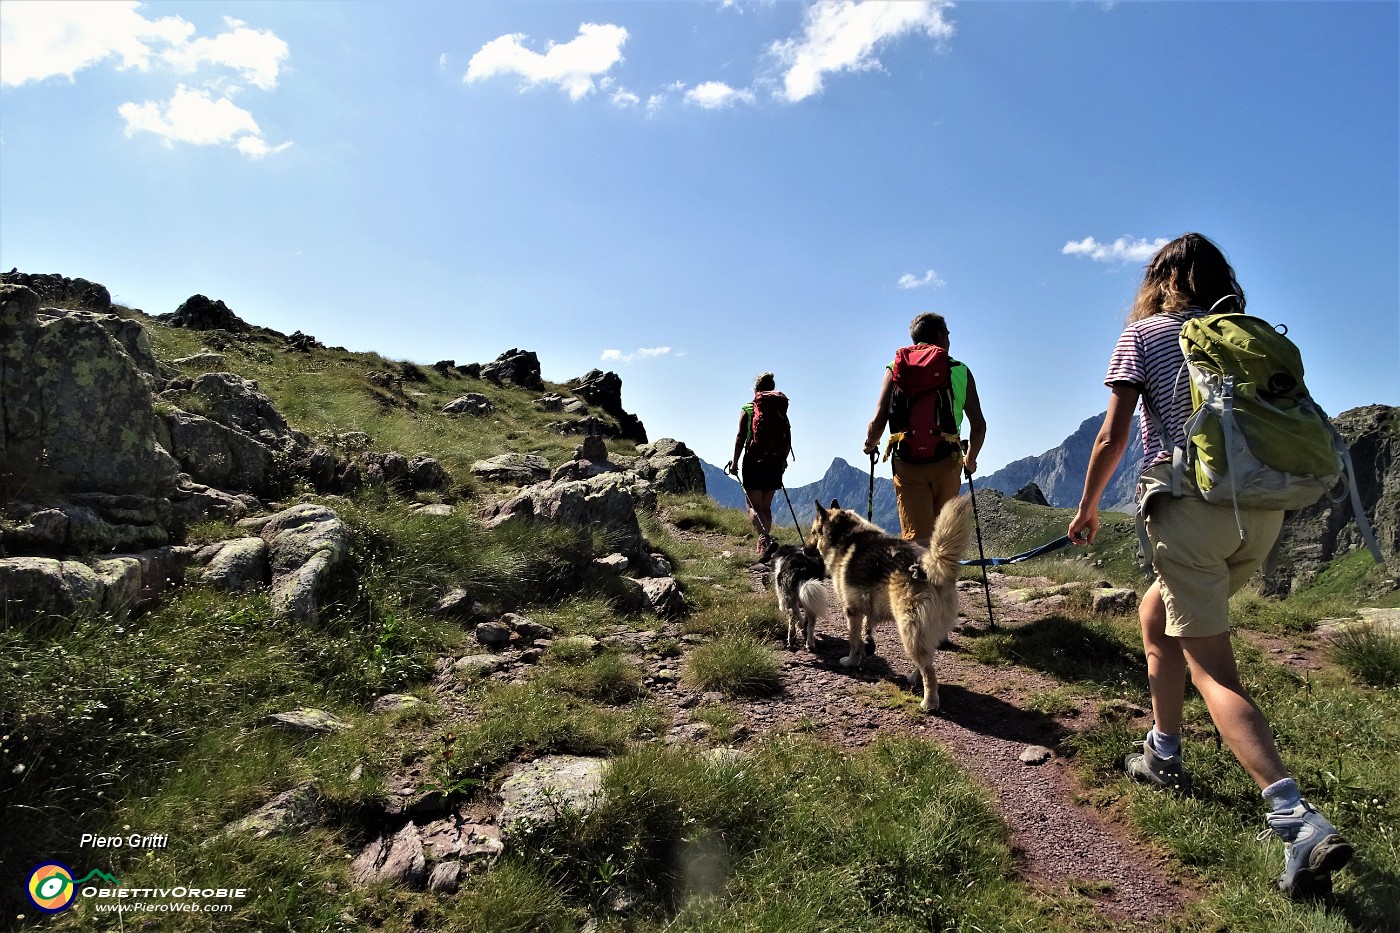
column 977, row 523
column 870, row 503
column 794, row 517
column 748, row 502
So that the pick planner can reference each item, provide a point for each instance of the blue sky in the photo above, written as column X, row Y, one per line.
column 692, row 193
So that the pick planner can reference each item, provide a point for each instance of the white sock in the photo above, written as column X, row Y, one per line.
column 1283, row 795
column 1164, row 744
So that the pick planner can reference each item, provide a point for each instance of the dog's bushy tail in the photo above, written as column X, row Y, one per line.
column 952, row 536
column 812, row 597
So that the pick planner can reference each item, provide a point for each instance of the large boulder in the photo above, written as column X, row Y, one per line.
column 518, row 469
column 221, row 456
column 607, row 502
column 78, row 414
column 517, row 367
column 671, row 466
column 1327, row 529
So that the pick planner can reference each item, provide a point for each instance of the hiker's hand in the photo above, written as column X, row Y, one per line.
column 731, row 469
column 1084, row 527
column 970, row 465
column 871, row 447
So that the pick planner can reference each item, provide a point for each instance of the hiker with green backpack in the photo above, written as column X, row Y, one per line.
column 764, row 441
column 1219, row 389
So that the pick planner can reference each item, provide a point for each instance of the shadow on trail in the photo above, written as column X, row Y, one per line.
column 995, row 718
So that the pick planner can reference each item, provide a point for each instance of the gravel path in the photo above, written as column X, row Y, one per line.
column 1059, row 843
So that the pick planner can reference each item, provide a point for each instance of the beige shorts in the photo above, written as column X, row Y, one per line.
column 1200, row 559
column 920, row 491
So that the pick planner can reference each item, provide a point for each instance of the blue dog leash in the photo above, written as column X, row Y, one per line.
column 1055, row 545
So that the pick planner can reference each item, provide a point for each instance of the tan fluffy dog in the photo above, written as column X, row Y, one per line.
column 878, row 576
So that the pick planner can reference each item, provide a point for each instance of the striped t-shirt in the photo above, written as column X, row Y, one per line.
column 1148, row 355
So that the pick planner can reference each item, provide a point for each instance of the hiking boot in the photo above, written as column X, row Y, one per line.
column 1150, row 768
column 1312, row 850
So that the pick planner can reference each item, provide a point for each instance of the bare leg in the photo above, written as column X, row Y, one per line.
column 1166, row 665
column 1242, row 725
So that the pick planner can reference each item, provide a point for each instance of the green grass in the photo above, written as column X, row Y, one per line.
column 735, row 666
column 1370, row 652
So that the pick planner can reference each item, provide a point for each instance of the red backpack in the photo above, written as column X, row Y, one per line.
column 770, row 435
column 921, row 407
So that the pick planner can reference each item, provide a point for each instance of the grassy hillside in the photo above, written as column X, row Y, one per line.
column 157, row 725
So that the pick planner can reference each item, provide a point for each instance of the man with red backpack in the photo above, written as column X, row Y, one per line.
column 765, row 441
column 923, row 400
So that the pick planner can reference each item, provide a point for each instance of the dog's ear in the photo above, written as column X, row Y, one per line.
column 821, row 512
column 835, row 505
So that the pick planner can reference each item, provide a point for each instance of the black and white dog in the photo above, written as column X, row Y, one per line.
column 797, row 578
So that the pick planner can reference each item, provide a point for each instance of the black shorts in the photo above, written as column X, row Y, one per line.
column 763, row 475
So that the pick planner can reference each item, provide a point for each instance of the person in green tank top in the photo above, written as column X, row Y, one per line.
column 923, row 485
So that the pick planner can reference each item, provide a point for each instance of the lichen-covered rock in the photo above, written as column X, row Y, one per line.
column 42, row 587
column 305, row 544
column 469, row 404
column 292, row 811
column 238, row 565
column 78, row 414
column 518, row 367
column 537, row 793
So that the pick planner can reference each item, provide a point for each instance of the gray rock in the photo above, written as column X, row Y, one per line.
column 394, row 702
column 477, row 665
column 444, row 877
column 529, row 631
column 493, row 634
column 1036, row 755
column 517, row 367
column 470, row 404
column 609, row 501
column 664, row 596
column 537, row 793
column 305, row 544
column 42, row 587
column 78, row 413
column 292, row 811
column 305, row 719
column 518, row 469
column 238, row 566
column 673, row 467
column 1113, row 601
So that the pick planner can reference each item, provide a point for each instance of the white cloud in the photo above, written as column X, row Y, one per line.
column 909, row 280
column 256, row 54
column 571, row 65
column 196, row 117
column 841, row 35
column 642, row 353
column 625, row 98
column 713, row 95
column 62, row 37
column 1120, row 250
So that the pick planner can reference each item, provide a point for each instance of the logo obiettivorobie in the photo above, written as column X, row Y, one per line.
column 52, row 889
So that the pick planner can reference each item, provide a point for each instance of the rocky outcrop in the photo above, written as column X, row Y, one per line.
column 201, row 313
column 1313, row 536
column 670, row 466
column 77, row 414
column 604, row 390
column 1031, row 493
column 56, row 291
column 516, row 367
column 46, row 587
column 608, row 502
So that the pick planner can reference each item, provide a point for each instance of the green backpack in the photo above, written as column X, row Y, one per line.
column 1256, row 439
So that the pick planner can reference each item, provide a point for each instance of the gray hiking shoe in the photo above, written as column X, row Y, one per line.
column 1312, row 850
column 1166, row 773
